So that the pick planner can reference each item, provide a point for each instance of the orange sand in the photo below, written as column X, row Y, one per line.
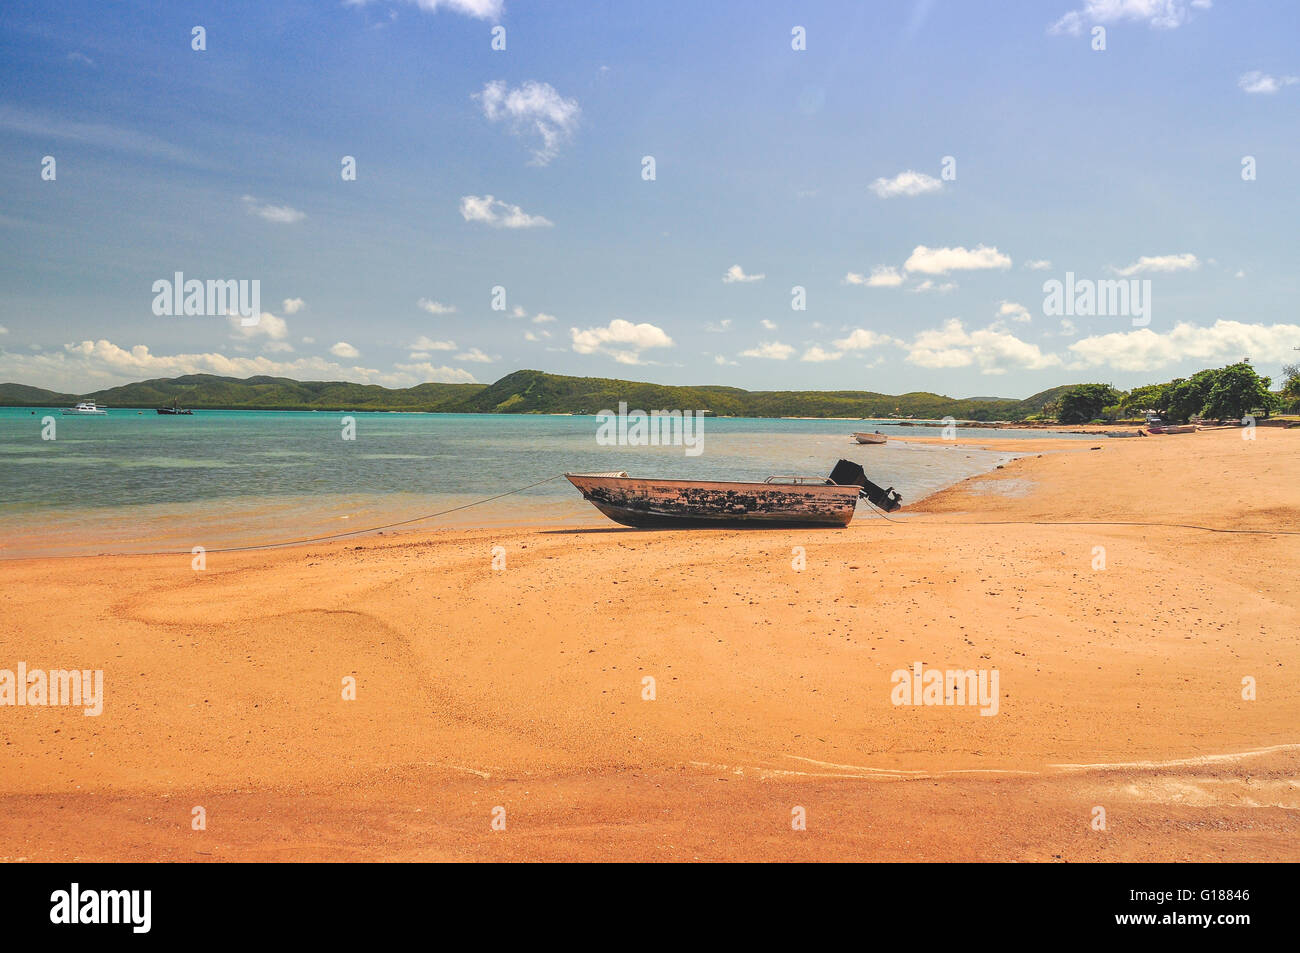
column 522, row 688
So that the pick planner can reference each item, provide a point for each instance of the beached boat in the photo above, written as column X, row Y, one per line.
column 876, row 437
column 778, row 501
column 1123, row 433
column 1172, row 428
column 85, row 408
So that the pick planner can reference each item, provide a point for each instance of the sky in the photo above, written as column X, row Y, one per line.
column 867, row 196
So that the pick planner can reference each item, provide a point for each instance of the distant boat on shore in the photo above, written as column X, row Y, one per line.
column 778, row 501
column 1172, row 428
column 876, row 437
column 85, row 408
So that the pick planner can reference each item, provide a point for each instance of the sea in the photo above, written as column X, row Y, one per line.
column 138, row 482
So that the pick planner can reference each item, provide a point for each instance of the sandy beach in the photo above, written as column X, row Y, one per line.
column 522, row 688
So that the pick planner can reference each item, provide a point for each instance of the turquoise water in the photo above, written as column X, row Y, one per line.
column 137, row 482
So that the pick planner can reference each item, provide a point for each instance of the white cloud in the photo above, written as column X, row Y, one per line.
column 435, row 307
column 542, row 318
column 89, row 365
column 426, row 343
column 772, row 350
column 1147, row 263
column 1259, row 82
column 293, row 305
column 861, row 339
column 479, row 9
column 1014, row 311
column 882, row 276
column 280, row 214
column 993, row 350
column 425, row 372
column 621, row 340
column 817, row 354
column 490, row 211
column 768, row 325
column 530, row 336
column 532, row 109
column 722, row 361
column 1038, row 264
column 940, row 288
column 477, row 356
column 719, row 328
column 1068, row 327
column 939, row 261
column 1223, row 341
column 906, row 183
column 1157, row 14
column 268, row 326
column 344, row 349
column 737, row 274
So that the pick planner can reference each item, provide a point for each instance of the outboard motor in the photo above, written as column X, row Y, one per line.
column 848, row 473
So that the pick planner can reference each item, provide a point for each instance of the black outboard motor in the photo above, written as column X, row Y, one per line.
column 848, row 473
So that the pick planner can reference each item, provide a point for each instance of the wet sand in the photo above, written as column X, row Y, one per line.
column 522, row 688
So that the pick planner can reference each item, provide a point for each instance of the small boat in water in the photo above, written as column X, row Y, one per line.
column 778, row 501
column 175, row 410
column 876, row 437
column 85, row 408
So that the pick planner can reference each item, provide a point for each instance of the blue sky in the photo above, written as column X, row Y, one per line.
column 775, row 168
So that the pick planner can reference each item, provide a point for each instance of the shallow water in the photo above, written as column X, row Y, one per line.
column 132, row 482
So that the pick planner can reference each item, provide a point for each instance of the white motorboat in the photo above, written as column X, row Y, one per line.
column 85, row 408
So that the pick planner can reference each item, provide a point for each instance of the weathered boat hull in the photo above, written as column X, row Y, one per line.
column 664, row 503
column 870, row 437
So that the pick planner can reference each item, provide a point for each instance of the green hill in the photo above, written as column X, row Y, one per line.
column 525, row 392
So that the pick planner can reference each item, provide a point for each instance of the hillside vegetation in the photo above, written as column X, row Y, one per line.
column 526, row 392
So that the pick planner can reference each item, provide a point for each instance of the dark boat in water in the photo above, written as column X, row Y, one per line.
column 175, row 410
column 778, row 501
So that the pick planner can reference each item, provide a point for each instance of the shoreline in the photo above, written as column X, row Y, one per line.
column 523, row 687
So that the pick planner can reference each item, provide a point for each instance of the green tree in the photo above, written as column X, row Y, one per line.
column 1085, row 402
column 1236, row 391
column 1151, row 397
column 1187, row 397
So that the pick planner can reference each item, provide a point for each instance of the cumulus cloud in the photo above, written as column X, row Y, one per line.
column 1014, row 311
column 860, row 339
column 1157, row 14
column 993, row 350
column 768, row 325
column 1221, row 342
column 89, row 365
column 293, row 305
column 426, row 343
column 772, row 350
column 719, row 328
column 1038, row 264
column 543, row 318
column 475, row 355
column 621, row 340
column 344, row 349
column 279, row 214
column 939, row 261
column 268, row 326
column 491, row 211
column 1149, row 263
column 434, row 307
column 941, row 287
column 1258, row 82
column 882, row 276
column 737, row 274
column 906, row 183
column 818, row 354
column 532, row 110
column 423, row 372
